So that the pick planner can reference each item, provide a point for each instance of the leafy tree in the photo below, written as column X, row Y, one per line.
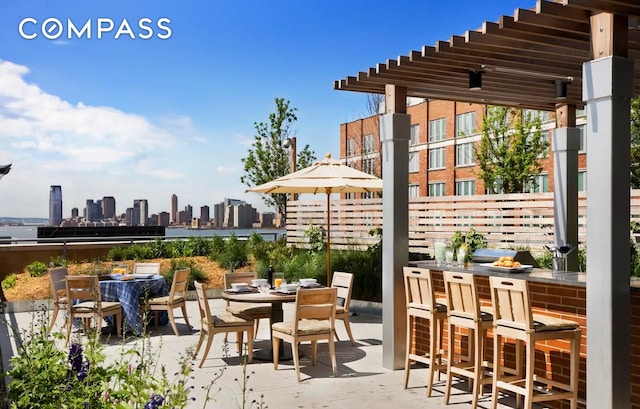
column 267, row 159
column 510, row 150
column 635, row 143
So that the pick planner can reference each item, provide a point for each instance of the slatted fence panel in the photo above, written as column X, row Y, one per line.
column 512, row 220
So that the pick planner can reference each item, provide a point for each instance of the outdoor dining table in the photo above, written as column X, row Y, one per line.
column 276, row 299
column 130, row 294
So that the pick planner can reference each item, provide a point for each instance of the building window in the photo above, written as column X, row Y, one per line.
column 465, row 154
column 545, row 139
column 369, row 166
column 437, row 130
column 436, row 189
column 582, row 180
column 466, row 123
column 415, row 135
column 414, row 190
column 414, row 162
column 465, row 187
column 583, row 139
column 436, row 158
column 351, row 147
column 367, row 144
column 532, row 114
column 539, row 184
column 581, row 112
column 497, row 187
column 367, row 195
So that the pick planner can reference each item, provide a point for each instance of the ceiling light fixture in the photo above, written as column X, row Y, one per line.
column 475, row 79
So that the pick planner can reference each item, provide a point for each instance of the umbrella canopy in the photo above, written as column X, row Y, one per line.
column 326, row 176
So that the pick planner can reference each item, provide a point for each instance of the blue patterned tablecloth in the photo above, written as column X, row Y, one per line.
column 130, row 294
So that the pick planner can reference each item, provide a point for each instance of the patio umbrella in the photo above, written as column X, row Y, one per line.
column 326, row 176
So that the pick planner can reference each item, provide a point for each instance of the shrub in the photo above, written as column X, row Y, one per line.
column 9, row 281
column 196, row 272
column 37, row 269
column 366, row 266
column 316, row 236
column 117, row 254
column 199, row 246
column 217, row 245
column 233, row 255
column 59, row 261
column 158, row 249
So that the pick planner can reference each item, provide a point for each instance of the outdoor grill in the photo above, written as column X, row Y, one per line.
column 491, row 255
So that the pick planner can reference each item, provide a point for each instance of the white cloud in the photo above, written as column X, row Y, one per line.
column 244, row 139
column 45, row 124
column 223, row 170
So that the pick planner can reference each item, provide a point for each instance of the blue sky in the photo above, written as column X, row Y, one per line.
column 143, row 119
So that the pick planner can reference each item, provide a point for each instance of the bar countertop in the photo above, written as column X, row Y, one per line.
column 537, row 275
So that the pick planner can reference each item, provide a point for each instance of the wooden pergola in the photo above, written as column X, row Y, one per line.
column 521, row 56
column 591, row 47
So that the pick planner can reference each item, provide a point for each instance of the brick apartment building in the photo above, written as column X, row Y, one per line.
column 441, row 150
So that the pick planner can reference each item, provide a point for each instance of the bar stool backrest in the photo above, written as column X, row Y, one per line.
column 462, row 298
column 511, row 303
column 418, row 288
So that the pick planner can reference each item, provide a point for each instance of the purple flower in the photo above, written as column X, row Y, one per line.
column 82, row 373
column 155, row 401
column 75, row 357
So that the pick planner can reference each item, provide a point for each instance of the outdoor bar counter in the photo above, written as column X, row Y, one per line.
column 559, row 294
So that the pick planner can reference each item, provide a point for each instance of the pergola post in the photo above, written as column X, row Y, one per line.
column 566, row 143
column 395, row 127
column 608, row 83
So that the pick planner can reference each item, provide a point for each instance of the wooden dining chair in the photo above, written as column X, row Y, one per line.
column 84, row 303
column 343, row 282
column 57, row 276
column 176, row 299
column 255, row 311
column 146, row 268
column 314, row 319
column 225, row 322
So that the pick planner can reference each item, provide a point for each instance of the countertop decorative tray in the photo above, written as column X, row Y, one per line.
column 520, row 269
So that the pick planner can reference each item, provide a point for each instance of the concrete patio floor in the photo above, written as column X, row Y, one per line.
column 361, row 380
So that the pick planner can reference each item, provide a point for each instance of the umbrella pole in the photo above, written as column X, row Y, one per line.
column 328, row 237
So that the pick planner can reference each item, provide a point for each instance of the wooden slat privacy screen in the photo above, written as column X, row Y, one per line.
column 506, row 221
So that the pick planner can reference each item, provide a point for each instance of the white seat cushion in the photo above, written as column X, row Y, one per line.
column 305, row 327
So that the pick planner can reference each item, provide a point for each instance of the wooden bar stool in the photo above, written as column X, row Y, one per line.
column 514, row 319
column 421, row 302
column 464, row 311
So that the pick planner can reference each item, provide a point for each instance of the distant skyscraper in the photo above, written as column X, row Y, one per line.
column 74, row 213
column 55, row 205
column 218, row 215
column 163, row 219
column 188, row 211
column 142, row 207
column 93, row 211
column 204, row 214
column 108, row 207
column 173, row 209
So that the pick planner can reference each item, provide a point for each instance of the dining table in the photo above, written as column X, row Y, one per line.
column 276, row 299
column 130, row 292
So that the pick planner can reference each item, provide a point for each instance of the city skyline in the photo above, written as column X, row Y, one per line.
column 196, row 210
column 176, row 115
